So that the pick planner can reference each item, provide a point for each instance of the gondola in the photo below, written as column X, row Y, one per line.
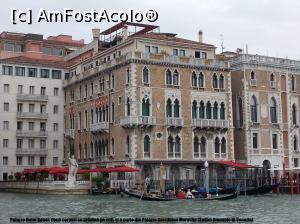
column 96, row 190
column 258, row 190
column 221, row 197
column 213, row 190
column 267, row 189
column 145, row 197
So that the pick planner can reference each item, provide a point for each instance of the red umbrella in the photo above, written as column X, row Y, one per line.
column 27, row 171
column 35, row 170
column 124, row 169
column 81, row 171
column 235, row 164
column 56, row 169
column 100, row 170
column 65, row 170
column 42, row 169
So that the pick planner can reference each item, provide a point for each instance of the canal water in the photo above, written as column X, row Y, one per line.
column 271, row 208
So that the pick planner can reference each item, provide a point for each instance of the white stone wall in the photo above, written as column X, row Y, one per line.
column 10, row 116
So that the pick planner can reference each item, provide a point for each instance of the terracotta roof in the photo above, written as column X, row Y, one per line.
column 34, row 61
column 12, row 37
column 22, row 37
column 56, row 42
column 166, row 37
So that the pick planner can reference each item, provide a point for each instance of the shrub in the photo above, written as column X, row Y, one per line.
column 98, row 180
column 18, row 176
column 86, row 176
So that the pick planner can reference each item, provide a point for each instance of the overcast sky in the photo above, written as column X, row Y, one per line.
column 268, row 27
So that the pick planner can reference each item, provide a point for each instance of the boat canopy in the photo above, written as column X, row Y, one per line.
column 235, row 164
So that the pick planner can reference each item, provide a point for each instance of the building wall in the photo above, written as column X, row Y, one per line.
column 12, row 118
column 158, row 92
column 244, row 87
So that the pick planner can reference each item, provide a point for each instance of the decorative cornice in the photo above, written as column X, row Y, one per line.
column 147, row 62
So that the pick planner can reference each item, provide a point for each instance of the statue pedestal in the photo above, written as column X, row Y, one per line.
column 71, row 182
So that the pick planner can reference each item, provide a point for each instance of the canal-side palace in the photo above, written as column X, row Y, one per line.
column 139, row 97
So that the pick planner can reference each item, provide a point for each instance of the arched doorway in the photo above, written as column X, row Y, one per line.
column 266, row 178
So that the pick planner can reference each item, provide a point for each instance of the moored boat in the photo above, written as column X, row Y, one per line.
column 219, row 197
column 258, row 190
column 146, row 197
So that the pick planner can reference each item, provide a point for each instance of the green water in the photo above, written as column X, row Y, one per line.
column 270, row 208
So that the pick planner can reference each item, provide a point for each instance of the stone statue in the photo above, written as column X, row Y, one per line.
column 73, row 167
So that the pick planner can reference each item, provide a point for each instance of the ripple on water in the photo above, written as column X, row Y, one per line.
column 264, row 209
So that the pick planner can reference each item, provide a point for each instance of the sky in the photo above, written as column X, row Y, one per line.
column 266, row 27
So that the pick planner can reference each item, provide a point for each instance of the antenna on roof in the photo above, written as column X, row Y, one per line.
column 222, row 44
column 246, row 48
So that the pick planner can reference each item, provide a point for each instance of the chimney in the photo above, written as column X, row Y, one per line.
column 96, row 34
column 239, row 50
column 125, row 32
column 200, row 36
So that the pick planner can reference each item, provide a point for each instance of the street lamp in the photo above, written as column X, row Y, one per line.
column 206, row 177
column 206, row 164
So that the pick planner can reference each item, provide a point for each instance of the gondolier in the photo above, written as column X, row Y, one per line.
column 147, row 183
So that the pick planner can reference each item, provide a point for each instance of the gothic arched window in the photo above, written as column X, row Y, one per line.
column 194, row 109
column 168, row 77
column 145, row 75
column 253, row 108
column 147, row 146
column 145, row 107
column 273, row 110
column 208, row 110
column 169, row 108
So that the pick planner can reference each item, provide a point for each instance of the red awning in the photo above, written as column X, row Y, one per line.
column 81, row 171
column 65, row 170
column 100, row 170
column 123, row 169
column 235, row 164
column 56, row 169
column 35, row 170
column 27, row 171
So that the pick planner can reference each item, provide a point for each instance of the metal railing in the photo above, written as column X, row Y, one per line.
column 32, row 97
column 37, row 151
column 38, row 134
column 117, row 184
column 35, row 115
